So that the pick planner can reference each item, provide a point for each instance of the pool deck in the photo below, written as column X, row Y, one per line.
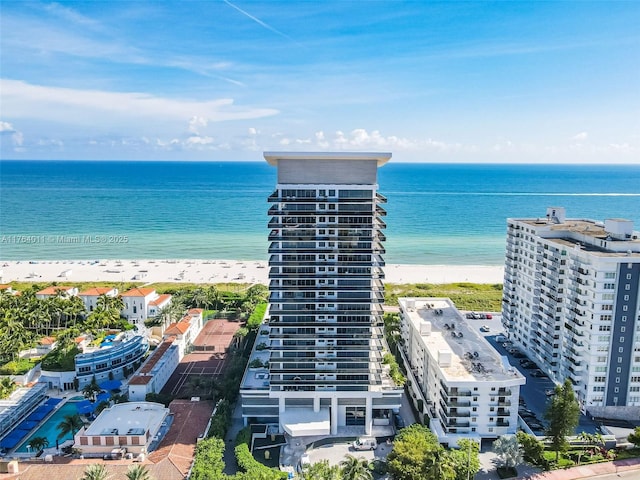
column 171, row 461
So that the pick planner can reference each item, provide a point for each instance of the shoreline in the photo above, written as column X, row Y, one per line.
column 215, row 271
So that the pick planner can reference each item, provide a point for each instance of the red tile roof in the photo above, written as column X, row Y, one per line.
column 161, row 299
column 96, row 291
column 195, row 311
column 5, row 287
column 53, row 289
column 139, row 292
column 177, row 328
column 139, row 379
column 47, row 341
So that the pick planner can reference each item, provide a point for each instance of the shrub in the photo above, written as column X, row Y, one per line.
column 250, row 465
column 255, row 320
column 17, row 367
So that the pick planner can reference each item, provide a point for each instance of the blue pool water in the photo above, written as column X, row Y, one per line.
column 49, row 428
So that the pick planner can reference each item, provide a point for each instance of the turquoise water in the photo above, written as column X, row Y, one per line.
column 49, row 428
column 437, row 213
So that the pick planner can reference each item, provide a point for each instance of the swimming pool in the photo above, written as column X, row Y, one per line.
column 49, row 429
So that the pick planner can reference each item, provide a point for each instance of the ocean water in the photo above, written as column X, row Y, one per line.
column 437, row 213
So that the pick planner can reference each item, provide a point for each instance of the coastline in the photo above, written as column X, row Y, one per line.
column 66, row 272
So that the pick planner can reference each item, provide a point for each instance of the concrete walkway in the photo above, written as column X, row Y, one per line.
column 590, row 471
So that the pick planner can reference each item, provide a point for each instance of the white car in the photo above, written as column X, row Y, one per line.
column 365, row 443
column 485, row 328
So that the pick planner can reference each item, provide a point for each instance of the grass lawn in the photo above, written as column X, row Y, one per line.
column 466, row 296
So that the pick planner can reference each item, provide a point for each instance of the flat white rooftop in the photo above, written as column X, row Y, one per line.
column 472, row 359
column 273, row 157
column 132, row 418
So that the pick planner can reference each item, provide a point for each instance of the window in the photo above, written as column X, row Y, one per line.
column 609, row 286
column 610, row 275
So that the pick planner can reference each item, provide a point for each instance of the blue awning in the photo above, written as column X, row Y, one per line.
column 110, row 385
column 85, row 406
column 13, row 439
column 27, row 425
column 103, row 397
column 53, row 401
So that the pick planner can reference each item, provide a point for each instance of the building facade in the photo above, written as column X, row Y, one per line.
column 120, row 358
column 571, row 301
column 323, row 342
column 461, row 387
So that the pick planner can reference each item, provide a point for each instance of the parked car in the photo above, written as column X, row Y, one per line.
column 501, row 338
column 507, row 344
column 518, row 354
column 398, row 420
column 365, row 443
column 485, row 328
column 537, row 373
column 488, row 316
column 549, row 391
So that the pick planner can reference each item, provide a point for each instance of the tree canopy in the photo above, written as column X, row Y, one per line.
column 563, row 414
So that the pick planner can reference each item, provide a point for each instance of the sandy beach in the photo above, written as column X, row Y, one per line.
column 215, row 271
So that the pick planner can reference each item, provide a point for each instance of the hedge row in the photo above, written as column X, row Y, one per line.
column 255, row 320
column 250, row 465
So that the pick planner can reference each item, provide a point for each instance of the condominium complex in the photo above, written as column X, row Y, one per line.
column 571, row 290
column 322, row 347
column 460, row 385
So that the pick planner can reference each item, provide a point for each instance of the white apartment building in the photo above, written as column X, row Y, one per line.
column 142, row 303
column 460, row 385
column 54, row 290
column 90, row 296
column 571, row 290
column 323, row 341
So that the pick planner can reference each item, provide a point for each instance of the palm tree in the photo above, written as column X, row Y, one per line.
column 354, row 468
column 71, row 424
column 440, row 467
column 91, row 389
column 38, row 443
column 138, row 472
column 97, row 471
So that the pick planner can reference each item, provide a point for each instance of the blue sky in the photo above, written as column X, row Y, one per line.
column 225, row 80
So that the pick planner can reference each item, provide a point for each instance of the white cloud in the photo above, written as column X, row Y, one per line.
column 253, row 131
column 18, row 139
column 196, row 122
column 20, row 99
column 580, row 137
column 199, row 141
column 6, row 127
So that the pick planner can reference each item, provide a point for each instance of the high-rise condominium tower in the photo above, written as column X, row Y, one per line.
column 325, row 337
column 571, row 300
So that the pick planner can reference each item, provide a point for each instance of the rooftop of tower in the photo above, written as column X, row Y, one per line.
column 273, row 157
column 447, row 335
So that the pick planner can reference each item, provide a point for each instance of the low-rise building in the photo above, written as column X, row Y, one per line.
column 142, row 303
column 156, row 371
column 131, row 425
column 116, row 358
column 54, row 290
column 90, row 296
column 462, row 387
column 186, row 330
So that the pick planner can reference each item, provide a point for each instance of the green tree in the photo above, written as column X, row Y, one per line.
column 70, row 424
column 415, row 455
column 563, row 414
column 322, row 471
column 355, row 468
column 465, row 459
column 138, row 472
column 38, row 443
column 440, row 466
column 208, row 463
column 508, row 450
column 634, row 437
column 90, row 390
column 96, row 471
column 532, row 448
